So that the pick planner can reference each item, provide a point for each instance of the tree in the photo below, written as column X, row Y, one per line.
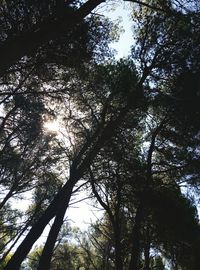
column 32, row 80
column 101, row 99
column 99, row 136
column 30, row 25
column 34, row 24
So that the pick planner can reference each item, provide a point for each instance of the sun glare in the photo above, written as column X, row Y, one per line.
column 52, row 126
column 58, row 129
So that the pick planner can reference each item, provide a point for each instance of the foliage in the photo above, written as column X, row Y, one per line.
column 129, row 130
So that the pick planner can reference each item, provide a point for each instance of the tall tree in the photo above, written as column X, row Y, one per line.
column 99, row 98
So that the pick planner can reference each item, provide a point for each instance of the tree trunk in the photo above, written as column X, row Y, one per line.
column 147, row 251
column 135, row 253
column 45, row 259
column 61, row 200
column 118, row 253
column 6, row 198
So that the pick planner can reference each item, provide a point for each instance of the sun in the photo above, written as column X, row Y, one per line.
column 52, row 126
column 58, row 129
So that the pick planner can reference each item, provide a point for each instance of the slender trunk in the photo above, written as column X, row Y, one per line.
column 196, row 265
column 45, row 259
column 135, row 252
column 147, row 251
column 6, row 198
column 61, row 200
column 118, row 251
column 15, row 48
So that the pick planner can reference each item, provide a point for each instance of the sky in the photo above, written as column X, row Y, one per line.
column 122, row 12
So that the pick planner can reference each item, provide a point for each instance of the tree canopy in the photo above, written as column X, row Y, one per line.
column 127, row 135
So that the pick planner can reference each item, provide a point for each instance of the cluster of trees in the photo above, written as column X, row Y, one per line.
column 129, row 135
